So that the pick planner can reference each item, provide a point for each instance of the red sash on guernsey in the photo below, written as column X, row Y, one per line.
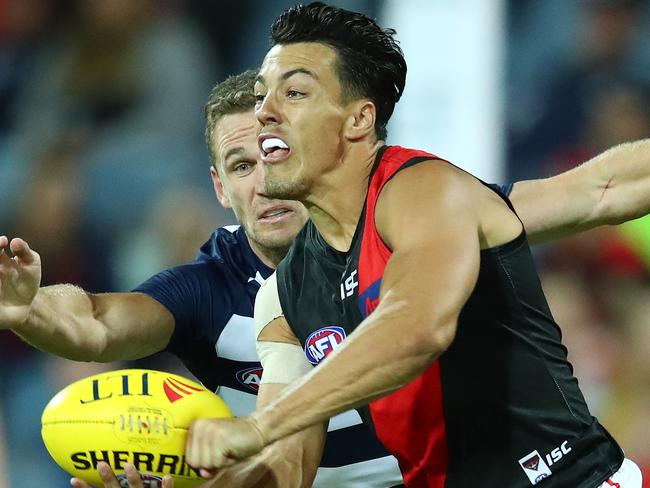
column 409, row 422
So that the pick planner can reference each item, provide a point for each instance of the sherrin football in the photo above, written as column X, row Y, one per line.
column 132, row 415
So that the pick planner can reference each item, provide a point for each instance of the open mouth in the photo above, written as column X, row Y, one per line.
column 275, row 214
column 273, row 149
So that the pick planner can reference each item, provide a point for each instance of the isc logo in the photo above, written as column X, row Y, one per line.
column 322, row 342
column 349, row 285
column 558, row 453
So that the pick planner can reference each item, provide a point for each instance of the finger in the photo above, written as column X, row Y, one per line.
column 204, row 444
column 208, row 473
column 77, row 483
column 22, row 252
column 168, row 482
column 106, row 474
column 191, row 452
column 132, row 475
column 4, row 257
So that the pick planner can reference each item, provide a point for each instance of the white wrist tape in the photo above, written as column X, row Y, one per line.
column 282, row 362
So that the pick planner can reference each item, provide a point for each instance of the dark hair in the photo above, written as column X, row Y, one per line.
column 370, row 63
column 232, row 96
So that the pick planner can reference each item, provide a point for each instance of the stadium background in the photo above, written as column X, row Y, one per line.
column 103, row 167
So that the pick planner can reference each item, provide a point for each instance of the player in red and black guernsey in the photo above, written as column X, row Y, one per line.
column 412, row 288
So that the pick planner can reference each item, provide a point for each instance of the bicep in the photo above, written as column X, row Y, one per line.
column 433, row 267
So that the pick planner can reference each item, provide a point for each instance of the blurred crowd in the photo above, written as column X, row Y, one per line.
column 104, row 171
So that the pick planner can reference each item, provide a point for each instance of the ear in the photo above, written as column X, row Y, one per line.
column 361, row 120
column 218, row 188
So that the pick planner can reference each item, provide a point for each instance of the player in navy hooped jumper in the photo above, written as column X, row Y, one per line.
column 445, row 319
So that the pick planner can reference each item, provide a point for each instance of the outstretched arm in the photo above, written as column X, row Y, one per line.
column 67, row 321
column 609, row 189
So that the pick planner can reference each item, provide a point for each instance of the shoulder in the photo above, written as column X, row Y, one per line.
column 191, row 281
column 433, row 180
column 220, row 242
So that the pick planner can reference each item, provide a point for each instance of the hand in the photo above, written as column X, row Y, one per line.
column 215, row 443
column 110, row 480
column 20, row 278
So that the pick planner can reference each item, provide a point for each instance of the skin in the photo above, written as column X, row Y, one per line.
column 429, row 277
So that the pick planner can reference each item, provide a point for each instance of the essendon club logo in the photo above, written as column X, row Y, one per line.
column 535, row 467
column 532, row 462
column 322, row 342
column 175, row 389
column 250, row 378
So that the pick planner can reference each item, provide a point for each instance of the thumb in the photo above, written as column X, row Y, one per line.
column 208, row 473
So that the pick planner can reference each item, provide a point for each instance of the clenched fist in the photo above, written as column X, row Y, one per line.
column 216, row 443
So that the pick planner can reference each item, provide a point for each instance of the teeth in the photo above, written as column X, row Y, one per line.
column 274, row 212
column 273, row 142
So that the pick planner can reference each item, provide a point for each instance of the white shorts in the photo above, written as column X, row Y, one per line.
column 628, row 476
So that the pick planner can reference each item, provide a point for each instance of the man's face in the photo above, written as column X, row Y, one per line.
column 299, row 107
column 239, row 183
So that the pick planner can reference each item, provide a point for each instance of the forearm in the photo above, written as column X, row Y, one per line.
column 62, row 321
column 289, row 463
column 372, row 362
column 69, row 322
column 624, row 182
column 609, row 189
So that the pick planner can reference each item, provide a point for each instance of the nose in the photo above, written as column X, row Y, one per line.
column 258, row 178
column 268, row 112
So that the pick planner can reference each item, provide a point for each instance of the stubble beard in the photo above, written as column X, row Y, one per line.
column 284, row 190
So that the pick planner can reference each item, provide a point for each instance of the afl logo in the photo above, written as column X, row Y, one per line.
column 322, row 342
column 250, row 378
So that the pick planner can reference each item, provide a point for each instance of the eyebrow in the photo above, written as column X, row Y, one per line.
column 289, row 74
column 232, row 152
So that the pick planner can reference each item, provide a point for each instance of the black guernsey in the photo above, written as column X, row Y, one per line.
column 501, row 407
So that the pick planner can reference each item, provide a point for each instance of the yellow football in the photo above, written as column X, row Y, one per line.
column 131, row 415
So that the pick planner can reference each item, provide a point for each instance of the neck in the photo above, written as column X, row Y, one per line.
column 270, row 256
column 336, row 201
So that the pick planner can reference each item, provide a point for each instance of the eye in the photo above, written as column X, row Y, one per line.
column 294, row 93
column 242, row 168
column 259, row 98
